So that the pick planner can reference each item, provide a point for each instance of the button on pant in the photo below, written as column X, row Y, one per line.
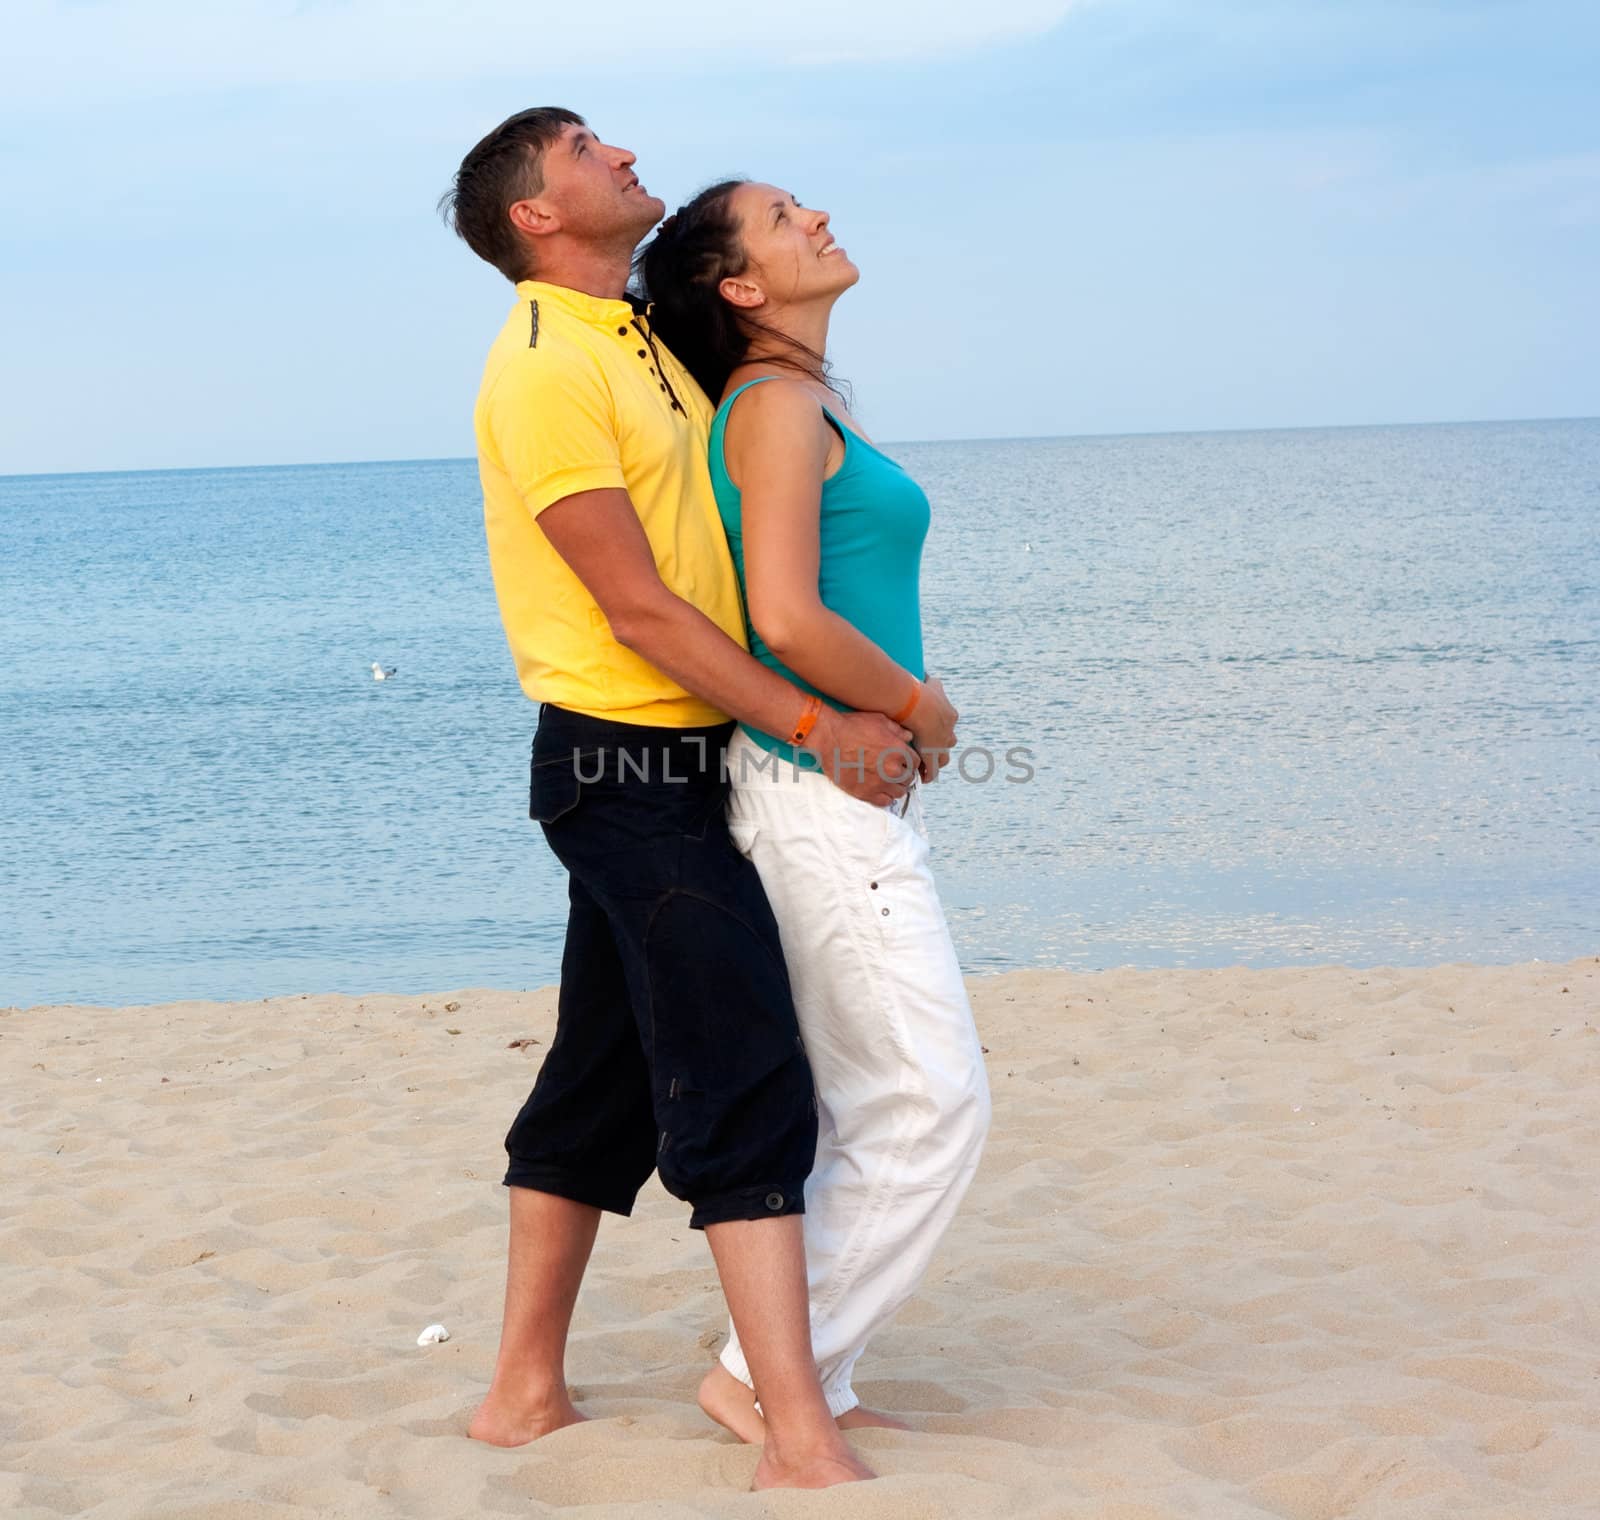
column 902, row 1097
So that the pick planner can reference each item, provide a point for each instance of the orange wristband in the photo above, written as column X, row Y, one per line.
column 808, row 720
column 910, row 707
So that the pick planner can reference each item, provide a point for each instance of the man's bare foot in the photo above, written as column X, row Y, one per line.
column 504, row 1421
column 732, row 1405
column 861, row 1418
column 818, row 1470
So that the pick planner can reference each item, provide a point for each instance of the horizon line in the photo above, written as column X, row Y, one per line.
column 1328, row 427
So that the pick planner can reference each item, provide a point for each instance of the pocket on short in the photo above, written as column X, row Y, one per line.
column 870, row 827
column 554, row 787
column 743, row 834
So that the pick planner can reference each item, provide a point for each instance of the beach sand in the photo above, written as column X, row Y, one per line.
column 1302, row 1243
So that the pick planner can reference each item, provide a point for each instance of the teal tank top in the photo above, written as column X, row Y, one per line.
column 873, row 523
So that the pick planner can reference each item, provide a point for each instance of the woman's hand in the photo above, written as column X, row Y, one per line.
column 933, row 728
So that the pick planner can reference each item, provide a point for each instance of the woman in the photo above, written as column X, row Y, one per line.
column 826, row 532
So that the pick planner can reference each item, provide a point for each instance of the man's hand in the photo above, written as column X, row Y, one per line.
column 933, row 724
column 865, row 754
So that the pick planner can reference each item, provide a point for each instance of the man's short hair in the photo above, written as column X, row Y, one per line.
column 506, row 167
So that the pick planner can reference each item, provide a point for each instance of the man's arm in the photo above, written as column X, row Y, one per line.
column 600, row 537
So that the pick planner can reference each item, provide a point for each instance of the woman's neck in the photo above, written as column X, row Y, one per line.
column 806, row 325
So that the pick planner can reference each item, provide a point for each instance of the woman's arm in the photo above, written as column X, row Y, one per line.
column 776, row 447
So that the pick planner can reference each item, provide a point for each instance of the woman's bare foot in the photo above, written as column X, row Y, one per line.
column 504, row 1421
column 816, row 1470
column 861, row 1418
column 732, row 1405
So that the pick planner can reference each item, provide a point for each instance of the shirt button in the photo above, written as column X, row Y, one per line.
column 885, row 912
column 641, row 353
column 774, row 1201
column 622, row 332
column 874, row 886
column 663, row 385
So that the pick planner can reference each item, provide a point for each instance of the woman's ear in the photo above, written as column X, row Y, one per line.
column 741, row 293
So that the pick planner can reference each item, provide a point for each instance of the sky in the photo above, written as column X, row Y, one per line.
column 219, row 242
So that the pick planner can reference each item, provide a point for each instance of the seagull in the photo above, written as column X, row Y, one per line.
column 379, row 673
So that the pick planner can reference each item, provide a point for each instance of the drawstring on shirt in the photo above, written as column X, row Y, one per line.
column 661, row 369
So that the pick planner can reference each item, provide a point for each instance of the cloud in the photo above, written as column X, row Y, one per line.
column 95, row 53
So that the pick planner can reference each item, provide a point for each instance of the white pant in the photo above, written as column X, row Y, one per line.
column 902, row 1097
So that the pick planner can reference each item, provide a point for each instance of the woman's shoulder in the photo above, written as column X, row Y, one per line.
column 768, row 390
column 760, row 403
column 775, row 430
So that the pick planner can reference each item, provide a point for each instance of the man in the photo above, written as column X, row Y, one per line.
column 676, row 1045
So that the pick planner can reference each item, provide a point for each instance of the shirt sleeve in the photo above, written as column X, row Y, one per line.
column 554, row 426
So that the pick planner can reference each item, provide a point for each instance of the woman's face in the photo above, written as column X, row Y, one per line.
column 790, row 253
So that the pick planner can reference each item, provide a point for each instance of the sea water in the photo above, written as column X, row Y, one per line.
column 1286, row 698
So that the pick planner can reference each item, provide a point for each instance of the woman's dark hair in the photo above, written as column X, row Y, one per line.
column 679, row 270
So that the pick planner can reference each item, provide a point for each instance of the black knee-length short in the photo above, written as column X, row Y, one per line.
column 676, row 1045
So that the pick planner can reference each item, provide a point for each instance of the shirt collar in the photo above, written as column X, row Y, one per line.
column 598, row 311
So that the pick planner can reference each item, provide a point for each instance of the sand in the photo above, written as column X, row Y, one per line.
column 1303, row 1243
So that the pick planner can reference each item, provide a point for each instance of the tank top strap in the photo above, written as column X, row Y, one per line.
column 722, row 411
column 719, row 423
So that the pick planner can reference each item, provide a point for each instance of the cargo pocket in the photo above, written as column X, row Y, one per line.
column 731, row 1085
column 892, row 885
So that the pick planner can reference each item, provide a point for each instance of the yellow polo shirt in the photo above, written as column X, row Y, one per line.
column 572, row 401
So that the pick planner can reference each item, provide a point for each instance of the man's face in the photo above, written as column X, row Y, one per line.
column 591, row 187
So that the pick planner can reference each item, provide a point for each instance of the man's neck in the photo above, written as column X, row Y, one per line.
column 595, row 271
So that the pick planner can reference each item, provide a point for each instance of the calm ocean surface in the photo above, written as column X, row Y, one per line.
column 1292, row 697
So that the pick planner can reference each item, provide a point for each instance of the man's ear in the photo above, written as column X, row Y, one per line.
column 533, row 218
column 741, row 293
